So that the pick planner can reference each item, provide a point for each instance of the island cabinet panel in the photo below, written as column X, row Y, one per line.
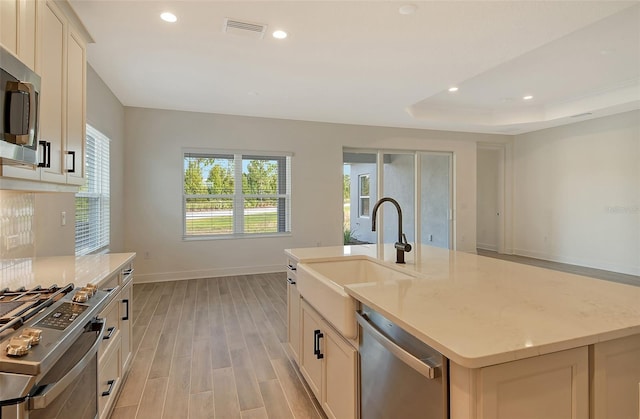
column 293, row 312
column 310, row 364
column 329, row 364
column 339, row 392
column 616, row 379
column 553, row 386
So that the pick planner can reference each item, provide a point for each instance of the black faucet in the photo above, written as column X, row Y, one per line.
column 401, row 245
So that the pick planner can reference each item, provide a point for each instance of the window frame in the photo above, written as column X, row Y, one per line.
column 361, row 214
column 238, row 197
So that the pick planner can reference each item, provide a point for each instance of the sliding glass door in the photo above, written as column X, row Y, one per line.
column 419, row 181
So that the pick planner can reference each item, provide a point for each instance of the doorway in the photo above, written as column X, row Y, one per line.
column 490, row 198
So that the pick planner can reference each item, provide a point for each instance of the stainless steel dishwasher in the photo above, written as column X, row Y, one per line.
column 400, row 376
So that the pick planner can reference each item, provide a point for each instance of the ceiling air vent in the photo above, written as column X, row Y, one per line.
column 238, row 27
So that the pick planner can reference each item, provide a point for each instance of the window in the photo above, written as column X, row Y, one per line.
column 233, row 194
column 92, row 201
column 363, row 195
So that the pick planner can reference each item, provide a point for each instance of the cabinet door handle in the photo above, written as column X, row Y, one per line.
column 73, row 162
column 317, row 335
column 46, row 154
column 320, row 354
column 110, row 383
column 316, row 349
column 110, row 331
column 291, row 267
column 126, row 316
column 291, row 281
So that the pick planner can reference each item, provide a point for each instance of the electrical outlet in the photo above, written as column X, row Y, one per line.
column 63, row 218
column 147, row 255
column 430, row 237
column 11, row 242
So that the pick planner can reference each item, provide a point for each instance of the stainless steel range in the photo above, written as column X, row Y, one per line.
column 49, row 341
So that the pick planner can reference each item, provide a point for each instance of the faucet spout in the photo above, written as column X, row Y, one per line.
column 401, row 245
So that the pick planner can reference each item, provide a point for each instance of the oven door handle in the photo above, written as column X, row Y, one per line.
column 51, row 391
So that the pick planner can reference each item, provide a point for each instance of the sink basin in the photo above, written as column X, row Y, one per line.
column 322, row 285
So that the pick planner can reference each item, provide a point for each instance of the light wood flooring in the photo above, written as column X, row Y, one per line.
column 213, row 348
column 557, row 266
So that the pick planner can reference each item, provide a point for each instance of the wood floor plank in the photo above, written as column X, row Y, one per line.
column 235, row 340
column 259, row 358
column 246, row 382
column 300, row 402
column 126, row 412
column 274, row 400
column 201, row 370
column 260, row 413
column 201, row 406
column 225, row 399
column 152, row 401
column 134, row 385
column 177, row 401
column 265, row 329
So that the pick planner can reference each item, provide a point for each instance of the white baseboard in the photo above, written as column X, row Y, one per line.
column 485, row 246
column 628, row 270
column 205, row 273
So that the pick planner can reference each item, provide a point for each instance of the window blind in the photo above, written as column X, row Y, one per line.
column 93, row 199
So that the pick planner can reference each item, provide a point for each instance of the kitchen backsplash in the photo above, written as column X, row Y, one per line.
column 17, row 226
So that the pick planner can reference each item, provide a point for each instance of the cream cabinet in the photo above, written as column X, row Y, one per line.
column 616, row 379
column 329, row 364
column 553, row 386
column 19, row 29
column 114, row 354
column 62, row 100
column 293, row 312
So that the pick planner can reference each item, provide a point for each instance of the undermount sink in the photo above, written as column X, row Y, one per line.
column 322, row 285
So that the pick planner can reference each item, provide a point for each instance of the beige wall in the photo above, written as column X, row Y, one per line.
column 577, row 193
column 153, row 192
column 106, row 114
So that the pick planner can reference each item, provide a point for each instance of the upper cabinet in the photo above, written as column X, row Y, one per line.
column 60, row 59
column 19, row 29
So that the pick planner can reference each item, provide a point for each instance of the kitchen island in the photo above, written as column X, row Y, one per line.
column 511, row 332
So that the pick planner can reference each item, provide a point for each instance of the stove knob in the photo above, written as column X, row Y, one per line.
column 91, row 288
column 19, row 346
column 81, row 296
column 34, row 334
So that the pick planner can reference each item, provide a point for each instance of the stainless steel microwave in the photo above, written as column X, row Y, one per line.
column 19, row 111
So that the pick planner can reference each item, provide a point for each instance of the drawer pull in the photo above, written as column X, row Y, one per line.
column 110, row 331
column 291, row 267
column 126, row 316
column 291, row 281
column 110, row 383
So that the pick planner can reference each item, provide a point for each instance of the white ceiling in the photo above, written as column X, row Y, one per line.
column 362, row 62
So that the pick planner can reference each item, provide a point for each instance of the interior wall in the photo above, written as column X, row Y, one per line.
column 435, row 199
column 577, row 193
column 52, row 237
column 488, row 177
column 106, row 114
column 153, row 192
column 399, row 184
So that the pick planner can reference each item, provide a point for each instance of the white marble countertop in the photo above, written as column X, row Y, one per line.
column 61, row 270
column 480, row 311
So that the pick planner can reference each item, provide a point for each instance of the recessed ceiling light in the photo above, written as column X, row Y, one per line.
column 453, row 89
column 408, row 9
column 168, row 17
column 528, row 97
column 279, row 34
